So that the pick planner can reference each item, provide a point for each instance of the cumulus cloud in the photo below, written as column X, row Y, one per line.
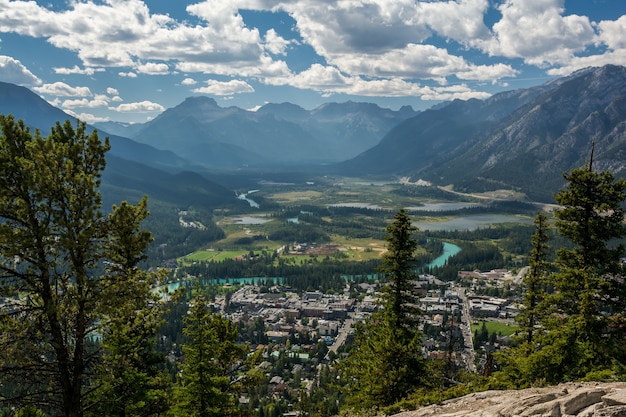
column 12, row 71
column 189, row 81
column 61, row 89
column 613, row 33
column 275, row 44
column 538, row 32
column 112, row 91
column 88, row 117
column 127, row 74
column 220, row 88
column 329, row 81
column 85, row 103
column 153, row 68
column 138, row 107
column 77, row 70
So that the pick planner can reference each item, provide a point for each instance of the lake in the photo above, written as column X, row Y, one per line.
column 472, row 222
column 443, row 206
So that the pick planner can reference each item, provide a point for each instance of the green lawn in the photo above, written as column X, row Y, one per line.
column 498, row 327
column 213, row 255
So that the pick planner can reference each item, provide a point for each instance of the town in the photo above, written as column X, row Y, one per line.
column 306, row 333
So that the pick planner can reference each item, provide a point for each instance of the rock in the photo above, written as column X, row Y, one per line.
column 616, row 397
column 565, row 400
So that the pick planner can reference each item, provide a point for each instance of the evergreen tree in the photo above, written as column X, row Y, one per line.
column 215, row 367
column 535, row 281
column 526, row 362
column 399, row 295
column 582, row 331
column 590, row 289
column 58, row 253
column 386, row 362
column 130, row 381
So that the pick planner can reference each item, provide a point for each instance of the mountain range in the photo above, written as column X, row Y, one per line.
column 521, row 139
column 283, row 134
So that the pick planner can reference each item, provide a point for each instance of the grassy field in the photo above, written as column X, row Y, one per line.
column 504, row 329
column 213, row 255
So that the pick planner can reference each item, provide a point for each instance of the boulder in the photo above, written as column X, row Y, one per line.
column 565, row 400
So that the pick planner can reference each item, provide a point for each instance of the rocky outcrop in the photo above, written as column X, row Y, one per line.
column 565, row 400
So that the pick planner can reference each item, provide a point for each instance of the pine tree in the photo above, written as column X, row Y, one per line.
column 399, row 296
column 56, row 253
column 580, row 319
column 386, row 362
column 590, row 290
column 535, row 281
column 215, row 367
column 129, row 378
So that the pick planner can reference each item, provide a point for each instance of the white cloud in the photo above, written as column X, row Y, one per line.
column 615, row 58
column 220, row 88
column 329, row 81
column 88, row 117
column 63, row 90
column 77, row 70
column 153, row 68
column 613, row 33
column 275, row 44
column 265, row 67
column 538, row 32
column 112, row 91
column 366, row 46
column 423, row 62
column 139, row 107
column 125, row 34
column 12, row 71
column 84, row 103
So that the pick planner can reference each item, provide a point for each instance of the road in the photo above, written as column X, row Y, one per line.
column 468, row 342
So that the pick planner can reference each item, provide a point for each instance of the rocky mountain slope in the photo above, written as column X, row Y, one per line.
column 523, row 139
column 572, row 399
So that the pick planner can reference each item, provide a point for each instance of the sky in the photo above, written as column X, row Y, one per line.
column 129, row 60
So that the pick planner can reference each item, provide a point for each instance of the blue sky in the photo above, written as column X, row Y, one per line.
column 129, row 60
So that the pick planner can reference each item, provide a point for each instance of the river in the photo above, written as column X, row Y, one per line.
column 448, row 250
column 244, row 196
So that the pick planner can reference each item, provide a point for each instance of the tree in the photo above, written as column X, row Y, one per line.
column 590, row 288
column 130, row 381
column 65, row 268
column 399, row 295
column 535, row 281
column 581, row 318
column 525, row 362
column 215, row 367
column 386, row 362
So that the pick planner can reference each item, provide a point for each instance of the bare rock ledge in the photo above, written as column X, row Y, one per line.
column 586, row 399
